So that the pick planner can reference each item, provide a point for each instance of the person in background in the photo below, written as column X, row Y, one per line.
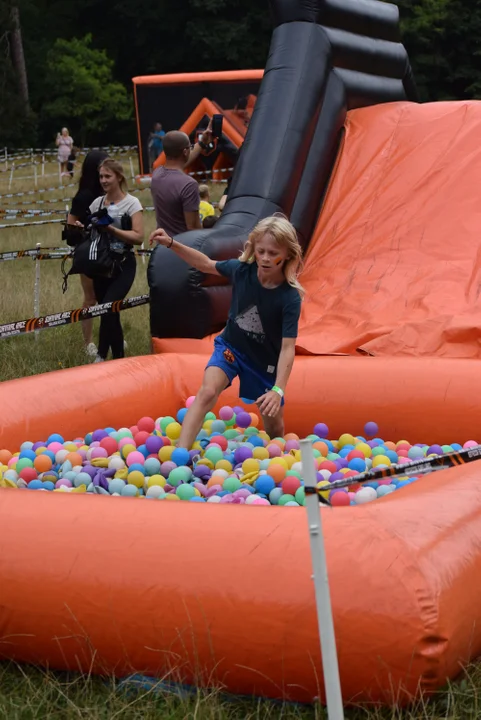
column 205, row 207
column 126, row 230
column 175, row 194
column 223, row 200
column 89, row 189
column 72, row 161
column 65, row 144
column 156, row 144
column 209, row 221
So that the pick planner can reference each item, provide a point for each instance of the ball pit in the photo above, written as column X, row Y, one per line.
column 231, row 462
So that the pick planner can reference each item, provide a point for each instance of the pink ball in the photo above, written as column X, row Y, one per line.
column 13, row 461
column 291, row 445
column 274, row 451
column 146, row 424
column 83, row 454
column 351, row 495
column 167, row 467
column 226, row 413
column 470, row 444
column 99, row 452
column 55, row 447
column 201, row 488
column 134, row 458
column 385, row 481
column 134, row 430
column 402, row 460
column 63, row 483
column 109, row 444
column 141, row 437
column 189, row 401
column 126, row 441
column 259, row 501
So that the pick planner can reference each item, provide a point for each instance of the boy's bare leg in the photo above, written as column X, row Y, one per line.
column 274, row 426
column 215, row 381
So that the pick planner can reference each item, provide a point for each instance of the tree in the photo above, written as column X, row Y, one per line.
column 82, row 91
column 19, row 59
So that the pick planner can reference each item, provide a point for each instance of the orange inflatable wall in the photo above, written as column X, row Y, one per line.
column 223, row 594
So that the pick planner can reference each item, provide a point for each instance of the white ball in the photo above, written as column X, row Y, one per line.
column 214, row 499
column 60, row 456
column 326, row 474
column 155, row 491
column 116, row 462
column 365, row 495
column 21, row 483
column 250, row 499
column 297, row 467
column 220, row 473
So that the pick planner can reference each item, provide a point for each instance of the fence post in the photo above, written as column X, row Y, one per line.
column 36, row 291
column 43, row 164
column 131, row 168
column 11, row 176
column 325, row 620
column 35, row 176
column 6, row 158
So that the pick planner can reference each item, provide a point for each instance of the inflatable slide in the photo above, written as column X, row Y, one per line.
column 222, row 595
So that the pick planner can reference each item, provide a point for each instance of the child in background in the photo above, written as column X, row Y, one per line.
column 258, row 342
column 205, row 207
column 209, row 221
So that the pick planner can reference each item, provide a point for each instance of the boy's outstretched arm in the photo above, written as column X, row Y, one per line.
column 270, row 403
column 192, row 257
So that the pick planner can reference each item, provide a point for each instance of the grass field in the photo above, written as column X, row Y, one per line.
column 33, row 694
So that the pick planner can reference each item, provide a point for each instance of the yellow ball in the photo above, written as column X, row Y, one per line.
column 346, row 439
column 290, row 460
column 196, row 445
column 335, row 444
column 209, row 463
column 323, row 484
column 207, row 425
column 40, row 450
column 364, row 448
column 156, row 480
column 380, row 460
column 165, row 453
column 296, row 455
column 173, row 430
column 264, row 436
column 71, row 447
column 127, row 449
column 122, row 474
column 169, row 496
column 222, row 465
column 260, row 453
column 136, row 478
column 197, row 493
column 279, row 461
column 251, row 465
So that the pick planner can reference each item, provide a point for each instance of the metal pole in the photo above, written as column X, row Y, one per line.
column 11, row 176
column 36, row 292
column 131, row 168
column 43, row 164
column 6, row 159
column 325, row 620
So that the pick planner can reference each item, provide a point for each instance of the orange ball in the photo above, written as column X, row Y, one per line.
column 74, row 458
column 254, row 419
column 390, row 445
column 280, row 443
column 42, row 463
column 276, row 472
column 291, row 436
column 5, row 456
column 322, row 447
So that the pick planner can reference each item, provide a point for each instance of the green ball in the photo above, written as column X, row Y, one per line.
column 251, row 431
column 316, row 453
column 231, row 484
column 300, row 495
column 214, row 454
column 378, row 451
column 447, row 448
column 294, row 473
column 285, row 499
column 230, row 422
column 332, row 456
column 124, row 432
column 230, row 434
column 210, row 416
column 179, row 475
column 166, row 421
column 23, row 463
column 185, row 492
column 312, row 438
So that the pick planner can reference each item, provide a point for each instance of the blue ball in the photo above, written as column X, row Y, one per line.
column 55, row 437
column 256, row 441
column 197, row 499
column 218, row 427
column 221, row 493
column 27, row 445
column 403, row 483
column 274, row 495
column 393, row 456
column 139, row 467
column 110, row 430
column 152, row 466
column 28, row 454
column 264, row 484
column 357, row 464
column 372, row 483
column 181, row 415
column 88, row 438
column 456, row 446
column 143, row 450
column 35, row 485
column 48, row 485
column 180, row 456
column 51, row 455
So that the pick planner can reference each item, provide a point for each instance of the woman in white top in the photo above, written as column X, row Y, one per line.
column 126, row 230
column 65, row 144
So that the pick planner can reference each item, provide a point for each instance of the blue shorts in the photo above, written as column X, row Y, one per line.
column 253, row 384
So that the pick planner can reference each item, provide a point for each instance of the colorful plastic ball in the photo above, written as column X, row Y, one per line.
column 27, row 445
column 55, row 437
column 243, row 419
column 154, row 443
column 357, row 464
column 226, row 413
column 340, row 498
column 242, row 453
column 146, row 424
column 365, row 495
column 219, row 440
column 129, row 491
column 381, row 460
column 136, row 478
column 179, row 475
column 116, row 485
column 5, row 457
column 155, row 491
column 82, row 478
column 173, row 430
column 321, row 430
column 152, row 466
column 371, row 429
column 232, row 483
column 166, row 421
column 285, row 498
column 181, row 415
column 214, row 454
column 23, row 463
column 290, row 485
column 383, row 490
column 42, row 463
column 135, row 457
column 435, row 450
column 156, row 480
column 141, row 438
column 300, row 495
column 27, row 453
column 35, row 485
column 28, row 474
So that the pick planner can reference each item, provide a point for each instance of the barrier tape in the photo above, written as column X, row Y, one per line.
column 28, row 152
column 50, row 201
column 49, row 253
column 28, row 224
column 36, row 192
column 31, row 212
column 70, row 316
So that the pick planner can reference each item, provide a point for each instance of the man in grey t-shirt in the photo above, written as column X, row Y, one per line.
column 175, row 194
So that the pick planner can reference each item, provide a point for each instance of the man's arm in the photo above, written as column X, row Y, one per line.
column 190, row 255
column 192, row 220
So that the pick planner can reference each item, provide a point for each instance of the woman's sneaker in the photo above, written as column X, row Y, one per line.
column 99, row 359
column 91, row 349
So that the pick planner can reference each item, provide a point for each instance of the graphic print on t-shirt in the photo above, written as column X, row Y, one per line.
column 250, row 322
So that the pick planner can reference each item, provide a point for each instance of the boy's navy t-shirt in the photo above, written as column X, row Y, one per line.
column 258, row 317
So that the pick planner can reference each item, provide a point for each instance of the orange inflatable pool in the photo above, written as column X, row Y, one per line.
column 223, row 595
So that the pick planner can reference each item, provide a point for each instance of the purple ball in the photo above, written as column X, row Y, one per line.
column 38, row 444
column 337, row 476
column 371, row 429
column 202, row 471
column 243, row 419
column 321, row 430
column 167, row 467
column 342, row 463
column 238, row 409
column 154, row 443
column 98, row 435
column 92, row 471
column 434, row 450
column 242, row 453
